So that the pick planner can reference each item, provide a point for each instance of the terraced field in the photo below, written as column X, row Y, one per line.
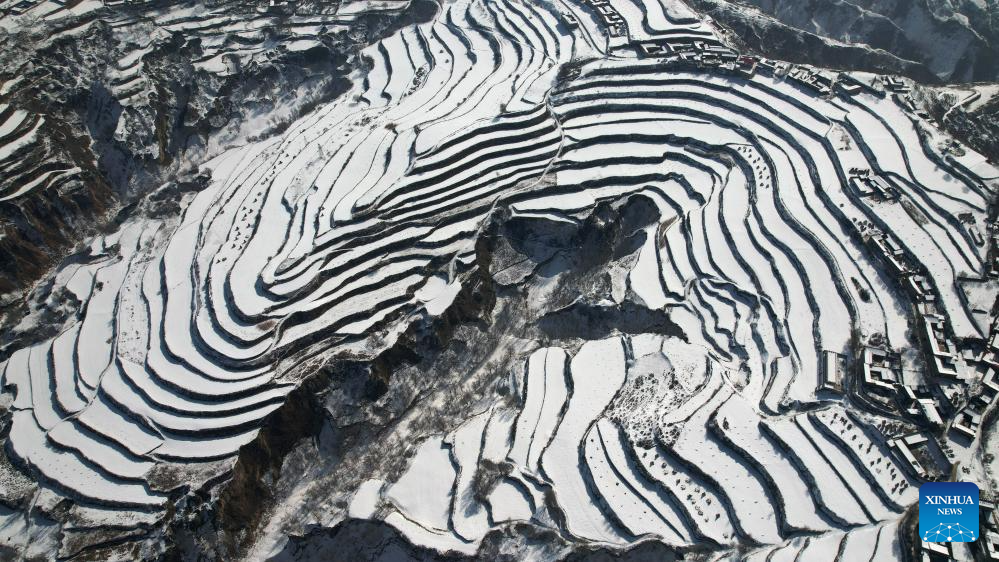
column 744, row 223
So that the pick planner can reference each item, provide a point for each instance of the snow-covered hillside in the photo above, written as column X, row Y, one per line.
column 930, row 40
column 545, row 278
column 99, row 105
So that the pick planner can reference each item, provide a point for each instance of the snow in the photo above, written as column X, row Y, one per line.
column 438, row 294
column 470, row 519
column 597, row 372
column 29, row 440
column 739, row 423
column 635, row 501
column 508, row 503
column 330, row 238
column 365, row 501
column 828, row 488
column 424, row 492
column 546, row 394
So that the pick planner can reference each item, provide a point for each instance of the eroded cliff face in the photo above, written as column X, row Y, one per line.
column 358, row 539
column 929, row 40
column 534, row 282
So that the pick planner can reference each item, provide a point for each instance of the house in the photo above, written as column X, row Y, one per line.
column 966, row 423
column 990, row 387
column 920, row 404
column 747, row 66
column 847, row 79
column 890, row 253
column 928, row 411
column 831, row 372
column 894, row 84
column 868, row 185
column 880, row 370
column 767, row 66
column 613, row 20
column 810, row 80
column 21, row 7
column 906, row 101
column 920, row 289
column 650, row 49
column 936, row 551
column 946, row 362
column 848, row 88
column 904, row 447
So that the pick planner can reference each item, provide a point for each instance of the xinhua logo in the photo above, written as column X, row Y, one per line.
column 948, row 512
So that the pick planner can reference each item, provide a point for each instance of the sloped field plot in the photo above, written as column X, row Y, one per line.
column 678, row 400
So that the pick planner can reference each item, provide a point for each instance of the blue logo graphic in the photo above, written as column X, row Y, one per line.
column 948, row 512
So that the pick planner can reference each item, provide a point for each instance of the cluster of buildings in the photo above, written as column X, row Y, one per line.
column 969, row 418
column 867, row 184
column 708, row 54
column 902, row 93
column 613, row 22
column 942, row 356
column 911, row 279
column 701, row 54
column 713, row 55
column 893, row 257
column 951, row 397
column 810, row 80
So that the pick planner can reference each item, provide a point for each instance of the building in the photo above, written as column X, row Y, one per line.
column 929, row 412
column 920, row 289
column 873, row 185
column 946, row 363
column 615, row 24
column 21, row 7
column 920, row 404
column 890, row 253
column 880, row 370
column 936, row 552
column 831, row 372
column 846, row 78
column 893, row 84
column 767, row 66
column 966, row 423
column 906, row 101
column 990, row 387
column 904, row 447
column 847, row 88
column 650, row 49
column 810, row 80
